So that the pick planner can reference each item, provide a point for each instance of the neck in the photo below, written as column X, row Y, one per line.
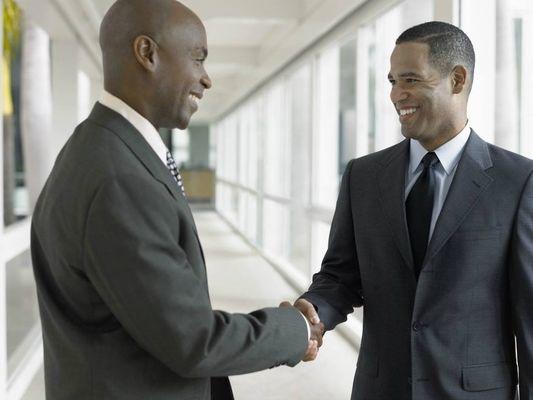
column 135, row 100
column 439, row 140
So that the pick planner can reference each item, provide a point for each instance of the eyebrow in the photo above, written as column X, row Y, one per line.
column 203, row 50
column 406, row 75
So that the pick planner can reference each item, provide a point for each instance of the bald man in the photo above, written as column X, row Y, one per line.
column 120, row 271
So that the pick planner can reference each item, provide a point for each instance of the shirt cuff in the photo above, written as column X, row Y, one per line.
column 306, row 324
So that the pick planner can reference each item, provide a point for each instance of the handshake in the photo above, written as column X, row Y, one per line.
column 316, row 327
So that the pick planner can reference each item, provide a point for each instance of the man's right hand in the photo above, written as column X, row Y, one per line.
column 316, row 327
column 308, row 310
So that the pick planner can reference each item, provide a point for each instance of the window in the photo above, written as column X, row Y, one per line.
column 377, row 121
column 501, row 113
column 347, row 105
column 325, row 168
column 84, row 96
column 180, row 147
column 300, row 124
column 16, row 203
column 276, row 143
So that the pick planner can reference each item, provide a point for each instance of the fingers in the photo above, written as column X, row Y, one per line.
column 285, row 304
column 317, row 331
column 317, row 328
column 308, row 310
column 312, row 351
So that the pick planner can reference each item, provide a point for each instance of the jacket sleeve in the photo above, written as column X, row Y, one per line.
column 336, row 289
column 133, row 258
column 521, row 288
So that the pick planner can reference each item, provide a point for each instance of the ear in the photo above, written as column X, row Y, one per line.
column 459, row 76
column 146, row 52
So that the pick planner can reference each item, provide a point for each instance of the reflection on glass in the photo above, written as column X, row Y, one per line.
column 347, row 98
column 275, row 228
column 300, row 103
column 21, row 306
column 276, row 172
column 325, row 181
column 15, row 194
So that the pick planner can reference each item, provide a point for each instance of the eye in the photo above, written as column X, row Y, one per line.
column 411, row 80
column 392, row 82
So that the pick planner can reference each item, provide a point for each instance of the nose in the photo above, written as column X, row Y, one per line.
column 205, row 80
column 398, row 93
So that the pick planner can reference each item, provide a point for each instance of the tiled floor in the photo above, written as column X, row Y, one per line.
column 241, row 281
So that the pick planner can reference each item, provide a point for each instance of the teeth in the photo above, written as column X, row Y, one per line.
column 194, row 99
column 407, row 111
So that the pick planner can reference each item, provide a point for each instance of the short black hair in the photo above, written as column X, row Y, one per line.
column 449, row 46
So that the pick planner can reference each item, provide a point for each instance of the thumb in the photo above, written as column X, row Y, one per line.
column 308, row 310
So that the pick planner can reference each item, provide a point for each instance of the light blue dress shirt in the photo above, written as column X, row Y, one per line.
column 449, row 155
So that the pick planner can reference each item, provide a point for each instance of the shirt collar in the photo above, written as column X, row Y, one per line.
column 146, row 129
column 449, row 153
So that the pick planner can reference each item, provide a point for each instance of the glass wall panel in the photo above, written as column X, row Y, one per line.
column 84, row 96
column 276, row 142
column 14, row 191
column 248, row 145
column 347, row 104
column 250, row 223
column 275, row 228
column 524, row 31
column 300, row 123
column 479, row 23
column 21, row 307
column 319, row 244
column 377, row 122
column 180, row 147
column 326, row 139
column 501, row 102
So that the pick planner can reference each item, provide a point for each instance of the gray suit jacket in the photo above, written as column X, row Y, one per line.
column 451, row 335
column 122, row 283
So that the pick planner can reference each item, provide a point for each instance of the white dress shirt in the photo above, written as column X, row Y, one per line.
column 150, row 134
column 449, row 155
column 145, row 127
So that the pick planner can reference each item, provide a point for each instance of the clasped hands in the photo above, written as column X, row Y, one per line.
column 317, row 327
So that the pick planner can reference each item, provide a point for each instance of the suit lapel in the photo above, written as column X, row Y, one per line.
column 391, row 184
column 142, row 150
column 469, row 182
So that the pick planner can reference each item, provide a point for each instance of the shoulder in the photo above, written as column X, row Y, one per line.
column 503, row 158
column 379, row 158
column 507, row 167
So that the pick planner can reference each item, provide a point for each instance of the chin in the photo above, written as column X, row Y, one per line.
column 182, row 122
column 411, row 134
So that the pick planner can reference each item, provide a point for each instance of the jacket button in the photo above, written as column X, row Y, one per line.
column 417, row 326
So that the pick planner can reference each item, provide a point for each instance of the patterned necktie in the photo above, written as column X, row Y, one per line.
column 419, row 209
column 171, row 165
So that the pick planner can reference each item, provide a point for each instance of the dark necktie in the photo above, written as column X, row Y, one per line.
column 171, row 165
column 419, row 208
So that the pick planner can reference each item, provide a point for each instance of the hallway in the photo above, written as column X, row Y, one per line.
column 242, row 281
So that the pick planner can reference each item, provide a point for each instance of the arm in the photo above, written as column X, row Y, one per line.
column 133, row 258
column 336, row 289
column 521, row 288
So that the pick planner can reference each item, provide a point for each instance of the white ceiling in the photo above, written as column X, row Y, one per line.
column 248, row 39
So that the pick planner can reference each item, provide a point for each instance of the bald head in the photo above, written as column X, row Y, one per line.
column 128, row 19
column 153, row 58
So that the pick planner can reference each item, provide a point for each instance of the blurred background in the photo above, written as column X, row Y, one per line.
column 299, row 88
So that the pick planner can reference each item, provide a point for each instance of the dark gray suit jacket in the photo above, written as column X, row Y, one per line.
column 122, row 284
column 451, row 335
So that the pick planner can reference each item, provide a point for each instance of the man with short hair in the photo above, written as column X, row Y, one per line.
column 434, row 238
column 119, row 268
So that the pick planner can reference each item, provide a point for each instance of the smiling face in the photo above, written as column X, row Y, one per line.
column 181, row 78
column 424, row 98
